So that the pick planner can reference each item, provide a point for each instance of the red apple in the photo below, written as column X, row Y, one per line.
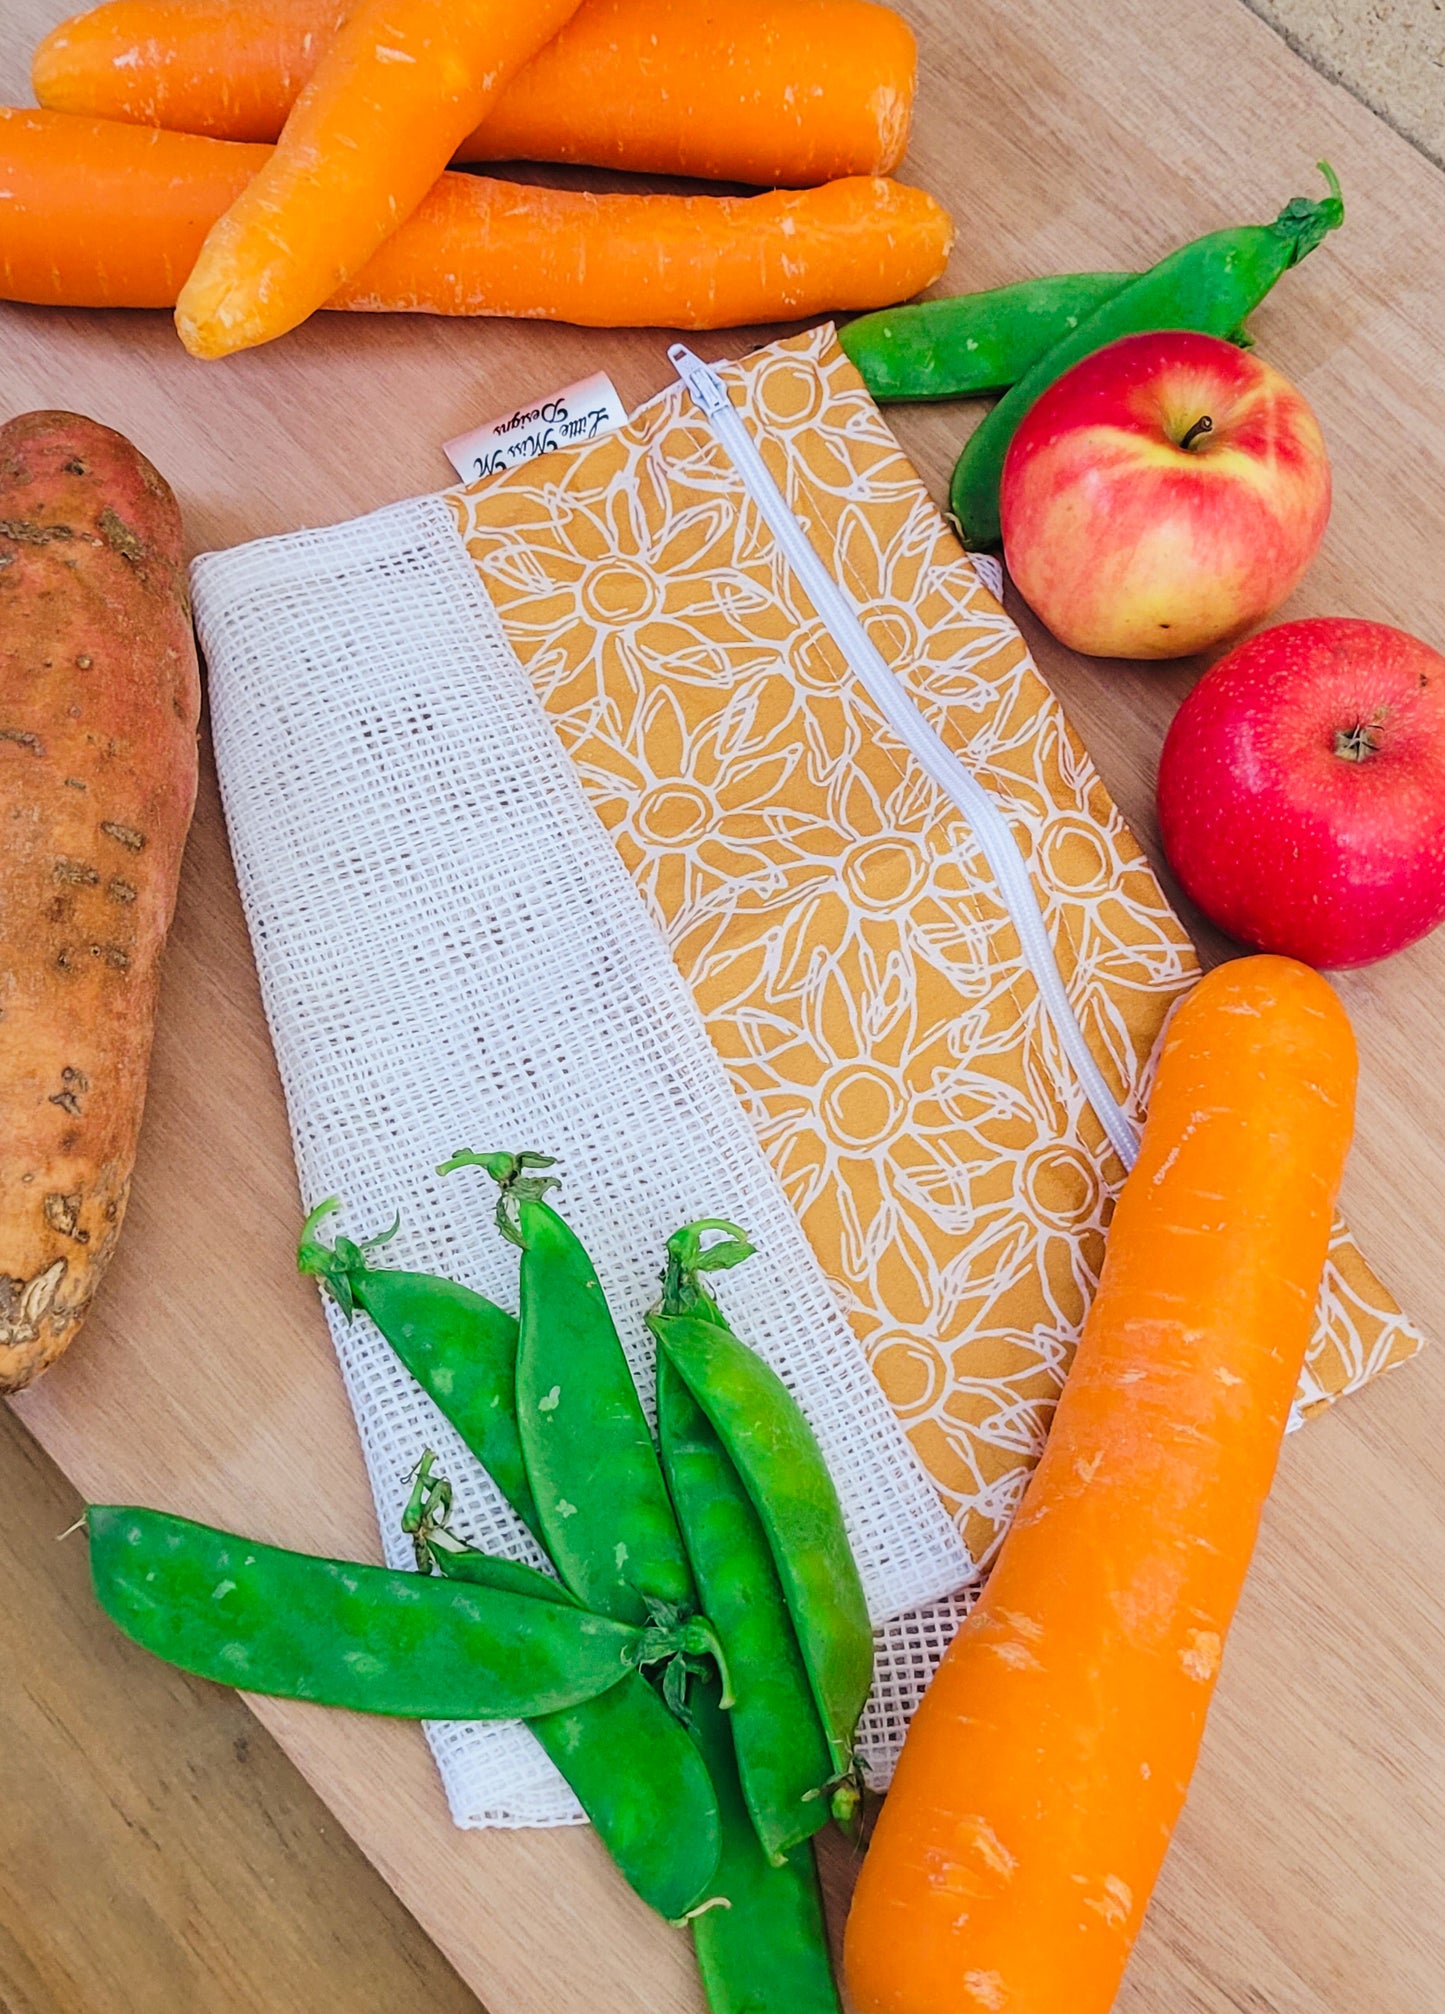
column 1165, row 494
column 1302, row 791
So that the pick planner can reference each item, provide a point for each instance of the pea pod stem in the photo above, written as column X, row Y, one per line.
column 688, row 1257
column 334, row 1265
column 427, row 1509
column 517, row 1176
column 845, row 1800
column 681, row 1642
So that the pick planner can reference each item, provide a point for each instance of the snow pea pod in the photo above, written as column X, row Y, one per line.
column 635, row 1771
column 1211, row 285
column 343, row 1634
column 971, row 345
column 772, row 1448
column 482, row 1569
column 460, row 1347
column 605, row 1515
column 639, row 1777
column 782, row 1756
column 767, row 1951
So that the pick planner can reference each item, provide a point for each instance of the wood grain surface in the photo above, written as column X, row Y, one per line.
column 158, row 1853
column 1309, row 1872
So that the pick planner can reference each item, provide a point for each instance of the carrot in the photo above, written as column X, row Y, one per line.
column 98, row 214
column 94, row 214
column 782, row 93
column 398, row 86
column 681, row 262
column 99, row 700
column 1047, row 1765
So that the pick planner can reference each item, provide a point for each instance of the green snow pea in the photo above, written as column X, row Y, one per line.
column 605, row 1515
column 634, row 1767
column 772, row 1448
column 639, row 1777
column 782, row 1755
column 460, row 1347
column 1210, row 285
column 971, row 345
column 343, row 1634
column 767, row 1951
column 783, row 1759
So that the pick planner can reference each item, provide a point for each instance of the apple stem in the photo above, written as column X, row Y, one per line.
column 1202, row 426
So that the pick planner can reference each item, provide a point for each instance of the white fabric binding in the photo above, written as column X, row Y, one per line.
column 452, row 954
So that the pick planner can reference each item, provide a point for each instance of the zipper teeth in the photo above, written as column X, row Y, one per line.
column 990, row 827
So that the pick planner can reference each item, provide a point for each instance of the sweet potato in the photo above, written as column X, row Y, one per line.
column 99, row 702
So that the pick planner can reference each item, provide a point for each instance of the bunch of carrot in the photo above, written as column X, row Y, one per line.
column 146, row 179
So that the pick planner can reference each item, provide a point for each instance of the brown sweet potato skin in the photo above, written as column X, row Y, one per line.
column 99, row 703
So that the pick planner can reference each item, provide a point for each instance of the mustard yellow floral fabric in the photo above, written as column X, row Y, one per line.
column 828, row 906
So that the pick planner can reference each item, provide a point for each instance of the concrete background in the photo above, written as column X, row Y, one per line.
column 1391, row 53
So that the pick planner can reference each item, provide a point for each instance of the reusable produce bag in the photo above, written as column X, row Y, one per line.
column 686, row 804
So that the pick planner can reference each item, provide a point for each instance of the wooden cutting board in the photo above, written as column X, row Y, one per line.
column 1309, row 1875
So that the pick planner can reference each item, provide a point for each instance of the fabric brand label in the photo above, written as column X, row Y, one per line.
column 582, row 412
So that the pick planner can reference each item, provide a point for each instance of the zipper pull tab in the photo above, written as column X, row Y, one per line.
column 701, row 380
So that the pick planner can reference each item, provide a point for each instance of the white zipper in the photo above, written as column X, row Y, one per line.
column 989, row 825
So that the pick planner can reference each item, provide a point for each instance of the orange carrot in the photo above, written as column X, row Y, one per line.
column 1047, row 1765
column 778, row 92
column 98, row 214
column 398, row 86
column 94, row 214
column 679, row 262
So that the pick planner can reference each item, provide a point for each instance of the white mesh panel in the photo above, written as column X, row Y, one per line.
column 452, row 954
